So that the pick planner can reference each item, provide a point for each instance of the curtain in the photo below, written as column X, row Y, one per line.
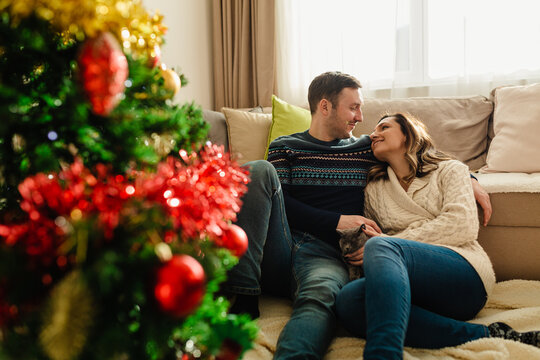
column 403, row 48
column 244, row 53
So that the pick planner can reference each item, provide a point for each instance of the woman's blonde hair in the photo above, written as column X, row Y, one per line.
column 421, row 154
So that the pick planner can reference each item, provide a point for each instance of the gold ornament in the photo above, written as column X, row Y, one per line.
column 172, row 81
column 67, row 318
column 163, row 144
column 138, row 31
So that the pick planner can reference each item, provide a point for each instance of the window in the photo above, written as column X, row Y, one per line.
column 444, row 48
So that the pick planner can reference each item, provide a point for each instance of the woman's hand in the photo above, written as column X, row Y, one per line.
column 482, row 198
column 356, row 258
column 371, row 232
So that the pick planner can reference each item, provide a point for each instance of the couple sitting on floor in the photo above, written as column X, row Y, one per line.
column 425, row 273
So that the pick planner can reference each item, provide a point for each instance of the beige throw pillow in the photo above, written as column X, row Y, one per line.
column 248, row 134
column 458, row 125
column 516, row 125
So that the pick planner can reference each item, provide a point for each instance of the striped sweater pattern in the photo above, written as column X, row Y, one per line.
column 321, row 167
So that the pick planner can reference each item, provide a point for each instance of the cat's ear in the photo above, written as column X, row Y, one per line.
column 360, row 229
column 340, row 232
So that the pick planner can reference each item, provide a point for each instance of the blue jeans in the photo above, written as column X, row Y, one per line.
column 413, row 294
column 277, row 262
column 267, row 261
column 320, row 274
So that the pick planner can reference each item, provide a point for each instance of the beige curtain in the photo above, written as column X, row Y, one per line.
column 244, row 57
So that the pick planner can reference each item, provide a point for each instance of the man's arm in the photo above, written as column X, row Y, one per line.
column 482, row 198
column 306, row 218
column 320, row 223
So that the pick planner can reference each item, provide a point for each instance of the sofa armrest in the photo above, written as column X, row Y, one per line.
column 218, row 128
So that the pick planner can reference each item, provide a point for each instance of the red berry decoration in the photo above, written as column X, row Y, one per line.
column 104, row 69
column 235, row 239
column 180, row 285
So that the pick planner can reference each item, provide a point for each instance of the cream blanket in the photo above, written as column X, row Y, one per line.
column 516, row 302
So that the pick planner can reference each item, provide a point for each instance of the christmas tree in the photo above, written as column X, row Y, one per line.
column 115, row 213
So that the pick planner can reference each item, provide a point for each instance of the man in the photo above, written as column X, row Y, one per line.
column 293, row 208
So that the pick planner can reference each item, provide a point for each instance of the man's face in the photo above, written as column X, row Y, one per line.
column 346, row 114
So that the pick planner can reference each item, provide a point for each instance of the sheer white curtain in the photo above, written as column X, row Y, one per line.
column 400, row 48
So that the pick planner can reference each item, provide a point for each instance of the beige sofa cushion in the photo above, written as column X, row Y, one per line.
column 516, row 125
column 458, row 125
column 247, row 133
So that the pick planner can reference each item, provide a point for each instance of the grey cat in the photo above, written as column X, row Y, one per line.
column 350, row 241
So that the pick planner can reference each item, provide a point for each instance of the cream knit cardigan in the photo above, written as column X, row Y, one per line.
column 438, row 209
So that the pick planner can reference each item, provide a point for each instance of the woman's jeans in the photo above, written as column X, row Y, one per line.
column 413, row 294
column 283, row 263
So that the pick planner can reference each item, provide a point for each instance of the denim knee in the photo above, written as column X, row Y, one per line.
column 379, row 243
column 262, row 172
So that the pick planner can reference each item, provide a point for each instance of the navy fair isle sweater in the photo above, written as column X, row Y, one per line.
column 321, row 180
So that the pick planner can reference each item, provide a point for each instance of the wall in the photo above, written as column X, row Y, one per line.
column 188, row 46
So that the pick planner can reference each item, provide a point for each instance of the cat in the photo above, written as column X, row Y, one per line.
column 351, row 240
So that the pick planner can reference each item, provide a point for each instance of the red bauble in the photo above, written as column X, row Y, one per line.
column 104, row 69
column 235, row 239
column 180, row 285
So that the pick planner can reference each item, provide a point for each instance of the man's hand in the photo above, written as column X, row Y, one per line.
column 482, row 198
column 354, row 221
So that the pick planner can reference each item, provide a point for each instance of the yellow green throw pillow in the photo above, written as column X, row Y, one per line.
column 286, row 119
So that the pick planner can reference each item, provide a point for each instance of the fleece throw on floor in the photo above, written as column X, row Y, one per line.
column 515, row 302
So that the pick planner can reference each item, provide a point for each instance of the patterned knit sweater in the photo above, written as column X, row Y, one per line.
column 438, row 209
column 321, row 180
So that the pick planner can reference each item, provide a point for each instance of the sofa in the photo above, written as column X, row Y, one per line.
column 498, row 137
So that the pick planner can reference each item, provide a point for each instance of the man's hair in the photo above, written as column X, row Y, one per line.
column 328, row 86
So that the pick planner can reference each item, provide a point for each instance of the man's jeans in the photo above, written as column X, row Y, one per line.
column 263, row 219
column 413, row 294
column 320, row 274
column 317, row 269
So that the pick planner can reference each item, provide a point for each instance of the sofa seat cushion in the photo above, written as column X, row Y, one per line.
column 515, row 198
column 512, row 237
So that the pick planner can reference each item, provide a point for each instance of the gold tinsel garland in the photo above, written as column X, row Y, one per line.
column 139, row 32
column 67, row 318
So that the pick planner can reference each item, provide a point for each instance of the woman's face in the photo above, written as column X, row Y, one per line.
column 387, row 140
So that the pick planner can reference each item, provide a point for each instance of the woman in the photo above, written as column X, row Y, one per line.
column 426, row 274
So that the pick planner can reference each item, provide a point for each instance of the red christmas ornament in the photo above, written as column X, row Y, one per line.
column 104, row 69
column 230, row 350
column 180, row 285
column 235, row 239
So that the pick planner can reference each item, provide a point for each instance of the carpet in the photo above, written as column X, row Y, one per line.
column 515, row 302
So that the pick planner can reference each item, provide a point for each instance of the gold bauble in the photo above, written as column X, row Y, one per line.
column 172, row 81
